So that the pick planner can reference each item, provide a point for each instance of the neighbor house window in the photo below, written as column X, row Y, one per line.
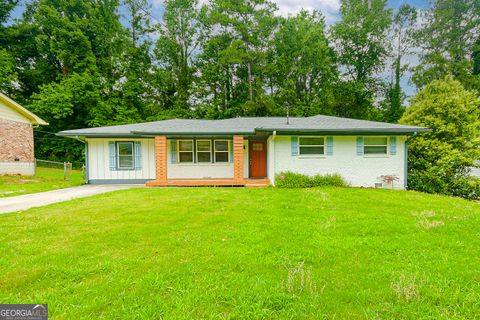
column 125, row 155
column 311, row 145
column 375, row 145
column 204, row 151
column 221, row 150
column 185, row 150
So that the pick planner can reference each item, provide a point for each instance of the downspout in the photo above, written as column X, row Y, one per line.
column 273, row 156
column 405, row 178
column 86, row 157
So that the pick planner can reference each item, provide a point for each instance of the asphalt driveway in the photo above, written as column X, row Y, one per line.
column 27, row 201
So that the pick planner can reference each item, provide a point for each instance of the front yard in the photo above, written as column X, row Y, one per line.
column 45, row 179
column 217, row 253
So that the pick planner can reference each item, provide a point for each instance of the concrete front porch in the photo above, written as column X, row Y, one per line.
column 238, row 179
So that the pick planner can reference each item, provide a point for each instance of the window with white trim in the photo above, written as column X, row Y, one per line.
column 375, row 145
column 204, row 150
column 185, row 151
column 221, row 150
column 125, row 155
column 311, row 146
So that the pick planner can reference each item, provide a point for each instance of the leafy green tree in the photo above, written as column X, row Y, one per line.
column 175, row 49
column 235, row 55
column 302, row 68
column 439, row 161
column 447, row 40
column 7, row 71
column 7, row 64
column 402, row 30
column 361, row 39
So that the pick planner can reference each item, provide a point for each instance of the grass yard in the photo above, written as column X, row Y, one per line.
column 234, row 253
column 45, row 179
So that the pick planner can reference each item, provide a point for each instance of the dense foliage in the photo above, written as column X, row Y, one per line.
column 297, row 180
column 90, row 63
column 439, row 161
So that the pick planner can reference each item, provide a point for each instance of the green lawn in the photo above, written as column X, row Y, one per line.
column 45, row 179
column 234, row 253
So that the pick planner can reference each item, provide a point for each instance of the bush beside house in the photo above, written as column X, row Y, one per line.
column 440, row 161
column 296, row 180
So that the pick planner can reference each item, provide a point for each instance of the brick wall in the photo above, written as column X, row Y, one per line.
column 16, row 141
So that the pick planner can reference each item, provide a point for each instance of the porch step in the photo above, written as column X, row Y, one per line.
column 257, row 183
column 249, row 183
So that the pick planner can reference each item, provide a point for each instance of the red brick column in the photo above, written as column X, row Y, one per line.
column 161, row 159
column 238, row 159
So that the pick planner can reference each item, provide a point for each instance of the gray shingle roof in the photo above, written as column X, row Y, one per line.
column 247, row 126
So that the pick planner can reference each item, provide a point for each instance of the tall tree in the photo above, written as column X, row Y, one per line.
column 176, row 48
column 7, row 64
column 361, row 39
column 302, row 67
column 447, row 40
column 78, row 45
column 241, row 32
column 137, row 89
column 403, row 28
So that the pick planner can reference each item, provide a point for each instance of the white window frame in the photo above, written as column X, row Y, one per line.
column 118, row 155
column 209, row 150
column 311, row 145
column 376, row 145
column 215, row 151
column 192, row 152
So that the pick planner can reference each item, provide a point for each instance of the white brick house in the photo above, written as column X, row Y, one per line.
column 247, row 151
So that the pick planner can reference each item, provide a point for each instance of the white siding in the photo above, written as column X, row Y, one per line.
column 357, row 170
column 8, row 113
column 98, row 161
column 271, row 158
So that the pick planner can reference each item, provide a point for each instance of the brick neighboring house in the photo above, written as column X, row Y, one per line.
column 16, row 137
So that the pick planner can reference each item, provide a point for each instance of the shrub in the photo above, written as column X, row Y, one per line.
column 297, row 180
column 439, row 161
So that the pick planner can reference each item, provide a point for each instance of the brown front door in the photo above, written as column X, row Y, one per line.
column 257, row 153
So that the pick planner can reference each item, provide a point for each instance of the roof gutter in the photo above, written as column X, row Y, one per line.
column 345, row 132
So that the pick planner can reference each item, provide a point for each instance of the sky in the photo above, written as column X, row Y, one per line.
column 330, row 8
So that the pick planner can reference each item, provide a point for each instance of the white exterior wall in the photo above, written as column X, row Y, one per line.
column 271, row 158
column 21, row 168
column 357, row 170
column 99, row 164
column 8, row 113
column 197, row 170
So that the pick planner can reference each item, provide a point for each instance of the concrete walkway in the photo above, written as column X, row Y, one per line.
column 27, row 201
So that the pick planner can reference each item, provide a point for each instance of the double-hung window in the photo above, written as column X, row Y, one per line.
column 221, row 150
column 125, row 155
column 375, row 145
column 204, row 151
column 311, row 146
column 185, row 151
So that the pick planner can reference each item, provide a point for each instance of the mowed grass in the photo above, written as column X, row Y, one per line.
column 234, row 253
column 45, row 179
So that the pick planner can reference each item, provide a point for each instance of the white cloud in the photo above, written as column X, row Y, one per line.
column 328, row 7
column 291, row 7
